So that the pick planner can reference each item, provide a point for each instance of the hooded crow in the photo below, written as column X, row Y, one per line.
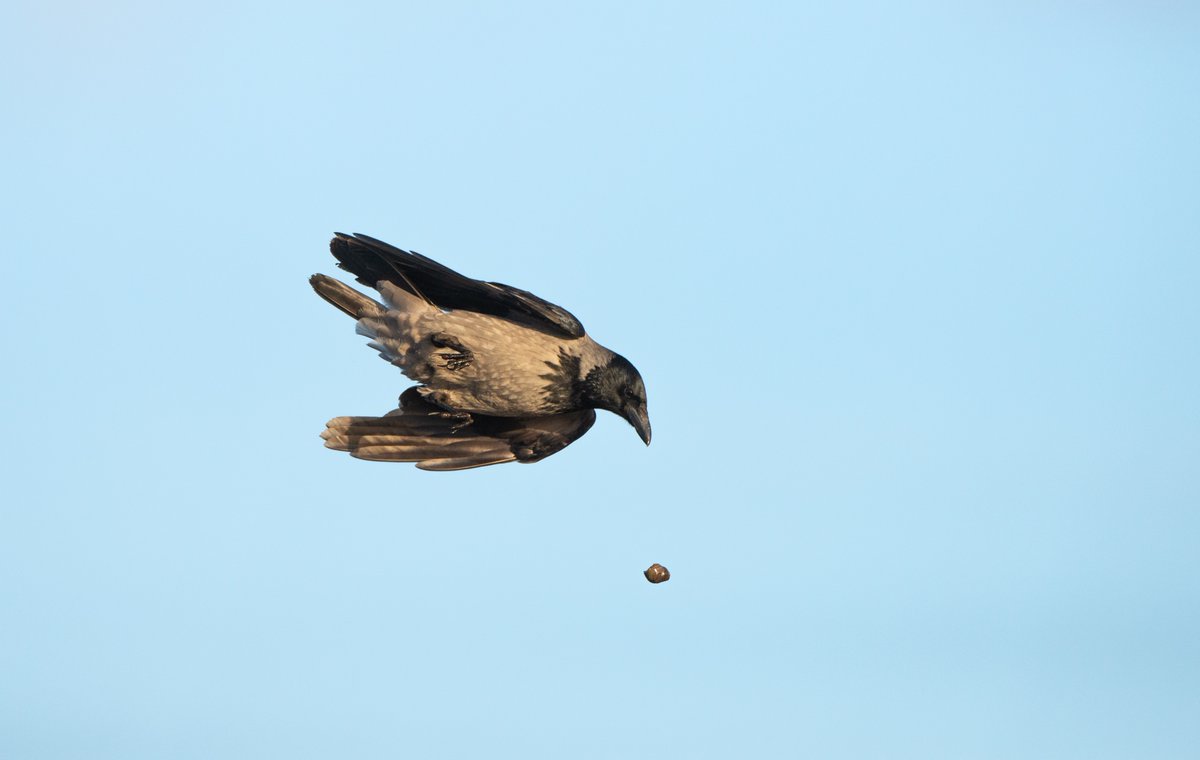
column 503, row 375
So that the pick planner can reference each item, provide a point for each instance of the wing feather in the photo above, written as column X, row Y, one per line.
column 419, row 432
column 373, row 261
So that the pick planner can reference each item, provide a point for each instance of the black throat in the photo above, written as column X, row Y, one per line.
column 601, row 388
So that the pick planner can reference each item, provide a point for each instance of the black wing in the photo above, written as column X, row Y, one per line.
column 418, row 432
column 373, row 261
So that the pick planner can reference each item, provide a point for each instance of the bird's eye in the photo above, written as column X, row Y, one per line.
column 629, row 394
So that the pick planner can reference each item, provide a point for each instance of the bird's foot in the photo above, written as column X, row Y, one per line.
column 459, row 356
column 461, row 419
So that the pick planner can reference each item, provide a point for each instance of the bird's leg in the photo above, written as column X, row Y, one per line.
column 459, row 357
column 461, row 419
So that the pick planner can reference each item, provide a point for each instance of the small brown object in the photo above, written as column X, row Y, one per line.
column 656, row 573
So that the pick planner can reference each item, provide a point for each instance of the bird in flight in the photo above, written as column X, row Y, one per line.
column 503, row 375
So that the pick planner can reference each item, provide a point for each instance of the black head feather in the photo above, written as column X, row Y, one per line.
column 617, row 387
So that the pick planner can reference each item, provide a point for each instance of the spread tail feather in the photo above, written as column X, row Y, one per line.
column 345, row 298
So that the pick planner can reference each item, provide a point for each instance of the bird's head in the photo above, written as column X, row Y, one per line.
column 617, row 387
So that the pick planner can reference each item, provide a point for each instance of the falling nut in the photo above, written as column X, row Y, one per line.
column 656, row 573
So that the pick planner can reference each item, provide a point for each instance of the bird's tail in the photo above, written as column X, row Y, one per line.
column 346, row 298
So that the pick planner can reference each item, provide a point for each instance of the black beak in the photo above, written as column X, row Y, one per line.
column 640, row 420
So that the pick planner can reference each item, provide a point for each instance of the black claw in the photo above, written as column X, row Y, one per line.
column 462, row 355
column 461, row 419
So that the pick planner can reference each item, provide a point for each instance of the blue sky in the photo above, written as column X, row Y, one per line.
column 913, row 288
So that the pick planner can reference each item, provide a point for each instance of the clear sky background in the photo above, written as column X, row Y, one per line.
column 914, row 288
